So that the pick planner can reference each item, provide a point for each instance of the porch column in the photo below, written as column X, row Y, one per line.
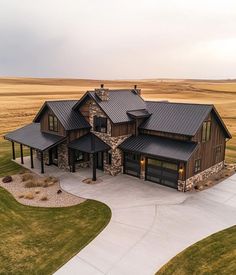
column 94, row 166
column 13, row 150
column 31, row 158
column 73, row 160
column 21, row 154
column 42, row 163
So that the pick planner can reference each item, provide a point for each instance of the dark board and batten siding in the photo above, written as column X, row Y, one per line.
column 45, row 127
column 122, row 129
column 206, row 150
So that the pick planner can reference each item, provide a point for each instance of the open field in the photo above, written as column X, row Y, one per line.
column 39, row 240
column 212, row 255
column 21, row 98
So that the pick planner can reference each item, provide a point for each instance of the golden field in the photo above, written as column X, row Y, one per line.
column 21, row 98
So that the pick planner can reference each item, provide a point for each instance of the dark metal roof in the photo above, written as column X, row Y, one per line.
column 159, row 147
column 89, row 143
column 120, row 101
column 63, row 109
column 178, row 118
column 138, row 113
column 31, row 135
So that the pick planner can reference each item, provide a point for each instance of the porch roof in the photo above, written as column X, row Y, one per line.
column 31, row 136
column 159, row 147
column 89, row 143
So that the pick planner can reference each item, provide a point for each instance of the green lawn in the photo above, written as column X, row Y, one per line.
column 215, row 254
column 39, row 240
column 8, row 167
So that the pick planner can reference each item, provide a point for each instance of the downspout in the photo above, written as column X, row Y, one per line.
column 185, row 176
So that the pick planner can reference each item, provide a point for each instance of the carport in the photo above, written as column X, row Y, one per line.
column 32, row 137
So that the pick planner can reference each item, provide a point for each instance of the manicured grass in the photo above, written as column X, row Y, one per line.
column 39, row 240
column 8, row 167
column 215, row 254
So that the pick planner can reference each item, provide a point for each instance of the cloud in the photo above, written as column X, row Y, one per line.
column 118, row 39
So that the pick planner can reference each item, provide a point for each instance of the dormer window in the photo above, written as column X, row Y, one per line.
column 206, row 131
column 52, row 123
column 100, row 124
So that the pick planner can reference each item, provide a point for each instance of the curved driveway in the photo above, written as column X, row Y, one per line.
column 150, row 223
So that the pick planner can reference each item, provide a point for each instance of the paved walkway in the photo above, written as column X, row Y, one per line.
column 150, row 223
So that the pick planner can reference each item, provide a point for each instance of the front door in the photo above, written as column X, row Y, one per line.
column 100, row 160
column 53, row 156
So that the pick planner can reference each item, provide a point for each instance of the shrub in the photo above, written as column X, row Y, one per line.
column 30, row 183
column 29, row 196
column 27, row 176
column 44, row 198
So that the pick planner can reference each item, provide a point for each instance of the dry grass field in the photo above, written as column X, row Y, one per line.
column 21, row 98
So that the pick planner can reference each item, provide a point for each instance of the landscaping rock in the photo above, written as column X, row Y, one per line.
column 7, row 179
column 59, row 191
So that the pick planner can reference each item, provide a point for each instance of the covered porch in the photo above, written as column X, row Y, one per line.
column 30, row 136
column 91, row 145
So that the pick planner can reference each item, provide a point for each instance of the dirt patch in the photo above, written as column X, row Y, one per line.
column 43, row 191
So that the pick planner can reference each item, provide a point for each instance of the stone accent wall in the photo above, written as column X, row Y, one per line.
column 191, row 182
column 63, row 156
column 45, row 156
column 116, row 164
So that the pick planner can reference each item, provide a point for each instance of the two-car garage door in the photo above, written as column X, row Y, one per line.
column 159, row 171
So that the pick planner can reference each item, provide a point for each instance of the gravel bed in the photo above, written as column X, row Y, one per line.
column 16, row 188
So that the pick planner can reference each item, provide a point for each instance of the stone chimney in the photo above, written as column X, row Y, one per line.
column 102, row 93
column 137, row 91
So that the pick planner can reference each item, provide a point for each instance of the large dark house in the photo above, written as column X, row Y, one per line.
column 173, row 144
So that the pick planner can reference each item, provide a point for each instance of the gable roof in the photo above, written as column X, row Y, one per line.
column 159, row 146
column 63, row 109
column 119, row 103
column 178, row 118
column 89, row 143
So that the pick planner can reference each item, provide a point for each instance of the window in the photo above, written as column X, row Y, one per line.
column 79, row 156
column 206, row 130
column 52, row 123
column 100, row 124
column 197, row 166
column 109, row 158
column 217, row 154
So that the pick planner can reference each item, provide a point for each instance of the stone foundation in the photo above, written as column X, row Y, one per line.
column 190, row 183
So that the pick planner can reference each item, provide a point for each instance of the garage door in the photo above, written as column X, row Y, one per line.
column 163, row 172
column 132, row 164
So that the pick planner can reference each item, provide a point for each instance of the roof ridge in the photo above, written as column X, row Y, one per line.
column 63, row 100
column 182, row 103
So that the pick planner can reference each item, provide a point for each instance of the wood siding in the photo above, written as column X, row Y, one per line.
column 206, row 150
column 122, row 129
column 84, row 109
column 45, row 127
column 163, row 134
column 74, row 134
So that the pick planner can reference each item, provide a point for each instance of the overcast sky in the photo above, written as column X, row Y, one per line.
column 113, row 39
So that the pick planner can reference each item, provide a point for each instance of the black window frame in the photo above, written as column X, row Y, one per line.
column 197, row 166
column 76, row 158
column 206, row 131
column 100, row 124
column 54, row 125
column 218, row 151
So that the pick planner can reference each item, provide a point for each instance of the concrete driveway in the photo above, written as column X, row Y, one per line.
column 150, row 223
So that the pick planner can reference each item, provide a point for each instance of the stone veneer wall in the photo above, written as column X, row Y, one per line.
column 191, row 182
column 116, row 164
column 63, row 156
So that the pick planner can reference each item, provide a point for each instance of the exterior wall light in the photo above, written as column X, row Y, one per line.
column 181, row 170
column 142, row 161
